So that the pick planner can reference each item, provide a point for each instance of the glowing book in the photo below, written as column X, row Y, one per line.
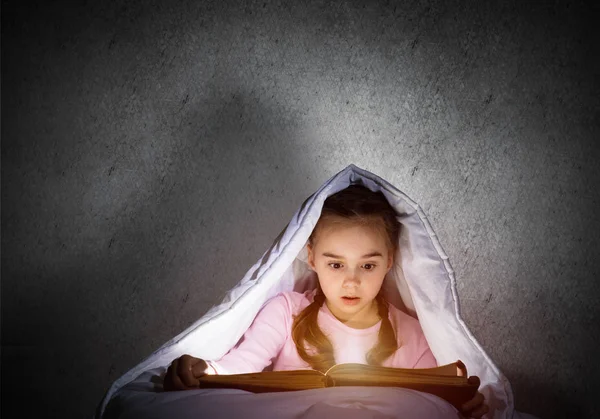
column 444, row 381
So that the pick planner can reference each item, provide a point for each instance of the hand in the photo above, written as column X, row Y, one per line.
column 476, row 407
column 183, row 373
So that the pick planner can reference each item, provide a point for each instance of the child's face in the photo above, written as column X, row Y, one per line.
column 338, row 259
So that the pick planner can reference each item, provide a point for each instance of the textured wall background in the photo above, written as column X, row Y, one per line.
column 152, row 150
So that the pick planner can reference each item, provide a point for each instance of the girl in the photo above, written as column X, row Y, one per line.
column 345, row 319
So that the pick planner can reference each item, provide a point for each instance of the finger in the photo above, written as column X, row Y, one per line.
column 479, row 412
column 474, row 380
column 175, row 379
column 184, row 371
column 167, row 380
column 172, row 381
column 473, row 403
column 199, row 368
column 178, row 384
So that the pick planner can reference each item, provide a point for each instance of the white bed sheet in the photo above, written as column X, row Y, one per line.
column 144, row 398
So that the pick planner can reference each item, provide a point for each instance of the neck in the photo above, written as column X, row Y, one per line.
column 369, row 318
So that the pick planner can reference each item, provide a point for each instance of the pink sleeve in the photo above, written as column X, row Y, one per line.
column 426, row 359
column 260, row 344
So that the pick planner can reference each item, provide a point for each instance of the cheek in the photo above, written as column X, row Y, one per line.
column 327, row 280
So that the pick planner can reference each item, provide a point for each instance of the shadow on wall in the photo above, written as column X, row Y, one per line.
column 163, row 260
column 543, row 399
column 155, row 265
column 213, row 218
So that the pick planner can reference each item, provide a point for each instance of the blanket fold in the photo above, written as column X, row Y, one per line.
column 421, row 283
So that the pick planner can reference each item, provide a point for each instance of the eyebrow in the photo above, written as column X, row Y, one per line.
column 368, row 255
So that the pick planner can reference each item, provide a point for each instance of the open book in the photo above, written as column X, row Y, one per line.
column 448, row 381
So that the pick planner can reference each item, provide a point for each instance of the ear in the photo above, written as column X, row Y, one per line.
column 390, row 261
column 311, row 257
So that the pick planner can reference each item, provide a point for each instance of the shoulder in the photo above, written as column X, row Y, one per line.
column 410, row 336
column 408, row 329
column 291, row 301
column 400, row 315
column 297, row 301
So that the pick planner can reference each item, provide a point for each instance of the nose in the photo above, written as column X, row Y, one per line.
column 351, row 280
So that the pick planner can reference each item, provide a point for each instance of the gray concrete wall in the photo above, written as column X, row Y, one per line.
column 152, row 150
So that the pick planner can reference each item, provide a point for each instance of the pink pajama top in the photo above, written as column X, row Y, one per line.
column 269, row 339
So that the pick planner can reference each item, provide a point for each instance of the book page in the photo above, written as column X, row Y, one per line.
column 456, row 369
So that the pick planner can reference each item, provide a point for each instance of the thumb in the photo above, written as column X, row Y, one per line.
column 474, row 380
column 199, row 368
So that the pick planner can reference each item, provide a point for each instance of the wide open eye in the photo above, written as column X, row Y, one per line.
column 372, row 265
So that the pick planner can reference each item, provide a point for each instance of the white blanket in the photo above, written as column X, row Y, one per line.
column 143, row 398
column 422, row 281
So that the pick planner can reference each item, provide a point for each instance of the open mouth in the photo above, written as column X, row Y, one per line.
column 350, row 300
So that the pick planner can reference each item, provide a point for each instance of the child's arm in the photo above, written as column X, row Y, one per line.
column 262, row 342
column 426, row 360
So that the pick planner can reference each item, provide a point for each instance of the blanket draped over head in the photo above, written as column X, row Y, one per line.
column 421, row 283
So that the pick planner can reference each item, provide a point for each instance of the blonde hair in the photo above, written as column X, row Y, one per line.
column 355, row 205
